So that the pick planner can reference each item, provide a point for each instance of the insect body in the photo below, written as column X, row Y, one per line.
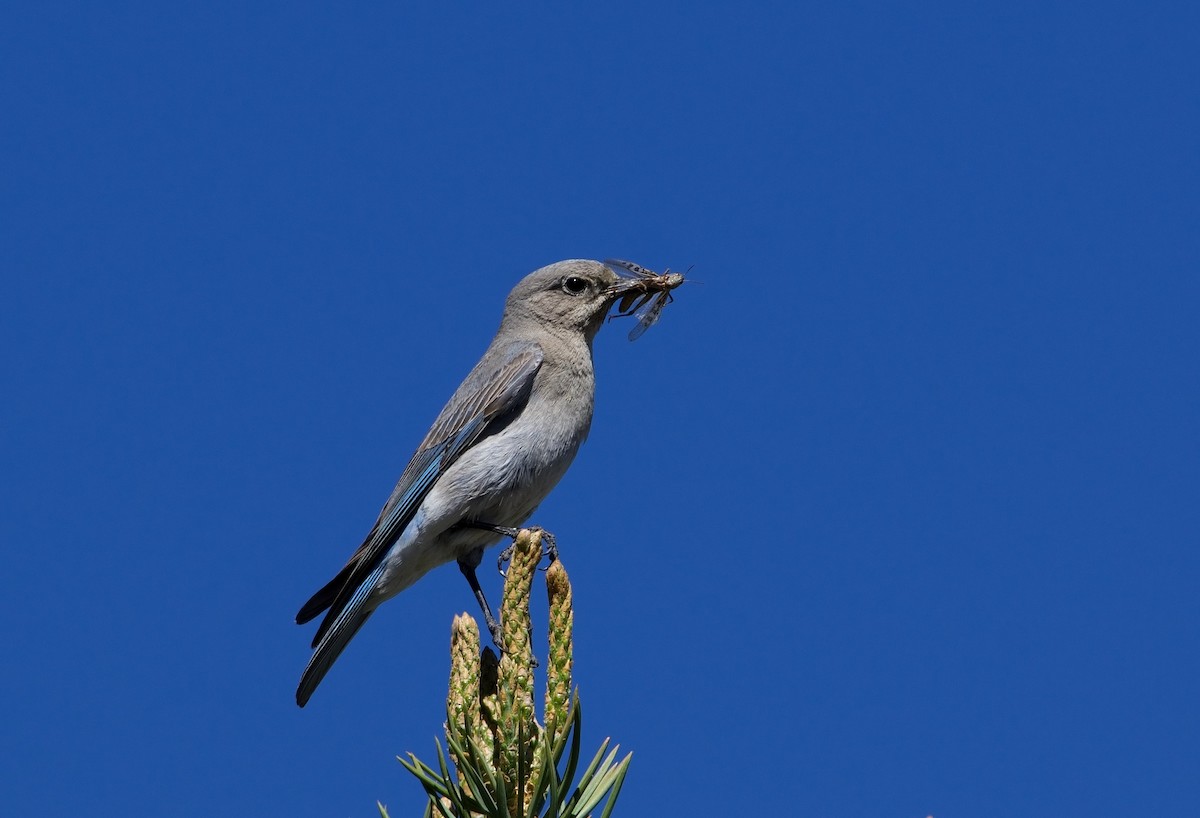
column 647, row 296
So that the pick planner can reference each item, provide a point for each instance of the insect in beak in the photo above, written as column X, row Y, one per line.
column 643, row 294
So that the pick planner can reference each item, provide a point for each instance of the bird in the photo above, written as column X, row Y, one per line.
column 502, row 442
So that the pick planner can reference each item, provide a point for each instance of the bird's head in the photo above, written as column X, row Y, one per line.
column 570, row 296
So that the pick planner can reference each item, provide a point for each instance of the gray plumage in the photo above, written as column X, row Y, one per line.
column 499, row 446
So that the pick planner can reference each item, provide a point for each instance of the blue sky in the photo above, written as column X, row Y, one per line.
column 893, row 513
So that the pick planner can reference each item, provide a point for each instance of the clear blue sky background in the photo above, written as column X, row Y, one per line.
column 894, row 512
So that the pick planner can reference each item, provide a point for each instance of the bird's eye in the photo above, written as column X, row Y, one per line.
column 574, row 285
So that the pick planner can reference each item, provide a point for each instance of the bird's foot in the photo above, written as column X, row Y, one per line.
column 548, row 540
column 551, row 549
column 497, row 634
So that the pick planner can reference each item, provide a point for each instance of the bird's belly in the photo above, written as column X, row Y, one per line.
column 504, row 478
column 501, row 481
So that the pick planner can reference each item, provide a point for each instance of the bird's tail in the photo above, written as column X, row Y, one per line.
column 346, row 623
column 324, row 598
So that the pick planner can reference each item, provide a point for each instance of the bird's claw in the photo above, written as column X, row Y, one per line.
column 496, row 633
column 551, row 543
column 550, row 551
column 504, row 560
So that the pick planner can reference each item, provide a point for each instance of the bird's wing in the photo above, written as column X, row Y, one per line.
column 498, row 386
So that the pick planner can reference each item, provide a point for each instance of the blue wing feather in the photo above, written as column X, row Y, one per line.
column 498, row 385
column 342, row 629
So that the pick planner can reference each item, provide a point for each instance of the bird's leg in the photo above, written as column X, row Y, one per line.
column 550, row 541
column 502, row 530
column 468, row 565
column 471, row 561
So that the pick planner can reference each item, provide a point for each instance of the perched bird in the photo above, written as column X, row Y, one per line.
column 496, row 450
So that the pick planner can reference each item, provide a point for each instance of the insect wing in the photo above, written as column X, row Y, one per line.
column 637, row 269
column 647, row 315
column 626, row 304
column 632, row 303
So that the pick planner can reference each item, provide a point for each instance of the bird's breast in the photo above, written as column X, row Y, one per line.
column 506, row 475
